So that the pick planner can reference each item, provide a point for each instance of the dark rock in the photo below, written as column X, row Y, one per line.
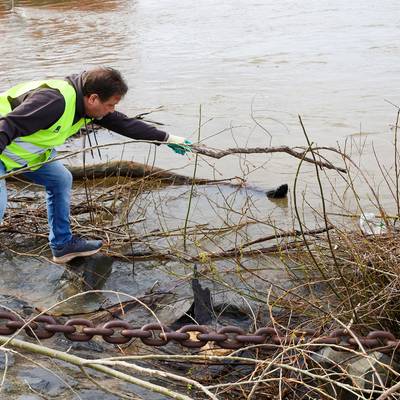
column 142, row 393
column 202, row 303
column 8, row 302
column 91, row 272
column 43, row 381
column 89, row 346
column 96, row 394
column 96, row 271
column 278, row 193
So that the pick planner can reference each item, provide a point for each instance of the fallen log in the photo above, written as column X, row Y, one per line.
column 134, row 170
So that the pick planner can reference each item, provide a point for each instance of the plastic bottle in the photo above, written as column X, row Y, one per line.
column 370, row 224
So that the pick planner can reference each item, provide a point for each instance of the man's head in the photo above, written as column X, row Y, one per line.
column 103, row 88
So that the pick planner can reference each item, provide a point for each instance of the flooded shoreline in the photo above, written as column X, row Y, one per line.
column 296, row 264
column 251, row 271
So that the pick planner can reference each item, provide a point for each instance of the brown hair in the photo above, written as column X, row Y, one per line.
column 105, row 82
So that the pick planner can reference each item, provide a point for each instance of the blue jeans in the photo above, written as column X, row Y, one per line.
column 57, row 181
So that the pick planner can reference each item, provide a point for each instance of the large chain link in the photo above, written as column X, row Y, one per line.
column 227, row 337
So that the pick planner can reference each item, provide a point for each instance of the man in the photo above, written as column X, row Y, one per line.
column 37, row 116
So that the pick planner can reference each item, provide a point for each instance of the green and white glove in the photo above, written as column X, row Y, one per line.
column 179, row 144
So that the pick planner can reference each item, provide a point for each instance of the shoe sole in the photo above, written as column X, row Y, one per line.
column 71, row 256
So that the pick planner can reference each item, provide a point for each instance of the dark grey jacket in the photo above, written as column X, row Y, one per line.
column 41, row 108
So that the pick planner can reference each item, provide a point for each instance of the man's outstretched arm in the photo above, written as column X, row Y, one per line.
column 131, row 127
column 139, row 130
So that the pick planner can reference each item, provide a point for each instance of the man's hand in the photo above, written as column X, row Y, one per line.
column 179, row 144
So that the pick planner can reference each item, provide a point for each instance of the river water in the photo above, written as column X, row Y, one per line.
column 245, row 62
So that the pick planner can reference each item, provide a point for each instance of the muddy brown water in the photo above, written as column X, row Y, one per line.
column 243, row 61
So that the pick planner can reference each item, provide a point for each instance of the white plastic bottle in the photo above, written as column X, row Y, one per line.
column 370, row 224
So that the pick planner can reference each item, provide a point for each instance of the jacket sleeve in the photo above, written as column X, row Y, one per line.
column 39, row 110
column 131, row 127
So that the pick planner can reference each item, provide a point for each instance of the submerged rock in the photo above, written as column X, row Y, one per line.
column 43, row 381
column 359, row 371
column 13, row 303
column 279, row 193
column 96, row 394
column 87, row 273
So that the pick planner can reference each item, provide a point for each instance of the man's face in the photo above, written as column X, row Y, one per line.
column 95, row 108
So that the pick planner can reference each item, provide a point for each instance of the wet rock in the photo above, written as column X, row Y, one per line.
column 168, row 314
column 96, row 271
column 70, row 368
column 6, row 358
column 202, row 303
column 167, row 296
column 278, row 193
column 208, row 310
column 90, row 346
column 31, row 278
column 43, row 381
column 142, row 393
column 96, row 394
column 87, row 273
column 360, row 371
column 11, row 302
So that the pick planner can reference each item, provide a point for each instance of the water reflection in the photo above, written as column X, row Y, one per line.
column 99, row 6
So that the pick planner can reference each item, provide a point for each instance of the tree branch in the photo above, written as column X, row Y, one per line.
column 216, row 153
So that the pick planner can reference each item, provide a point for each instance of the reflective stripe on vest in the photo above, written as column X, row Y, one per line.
column 19, row 152
column 34, row 149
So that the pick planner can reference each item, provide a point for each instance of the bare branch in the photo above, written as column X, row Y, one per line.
column 216, row 153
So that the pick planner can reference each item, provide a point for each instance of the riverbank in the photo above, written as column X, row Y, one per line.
column 288, row 277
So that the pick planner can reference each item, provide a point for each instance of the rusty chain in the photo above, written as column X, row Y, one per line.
column 227, row 337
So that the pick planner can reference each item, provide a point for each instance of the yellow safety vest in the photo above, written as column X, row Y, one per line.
column 35, row 149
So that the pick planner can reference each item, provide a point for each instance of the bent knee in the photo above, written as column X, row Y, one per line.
column 62, row 183
column 66, row 179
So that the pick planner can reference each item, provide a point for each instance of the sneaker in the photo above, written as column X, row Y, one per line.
column 76, row 247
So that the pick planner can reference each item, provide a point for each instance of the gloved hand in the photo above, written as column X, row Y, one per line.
column 179, row 144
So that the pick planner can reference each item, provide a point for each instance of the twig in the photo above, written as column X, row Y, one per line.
column 192, row 186
column 395, row 388
column 283, row 235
